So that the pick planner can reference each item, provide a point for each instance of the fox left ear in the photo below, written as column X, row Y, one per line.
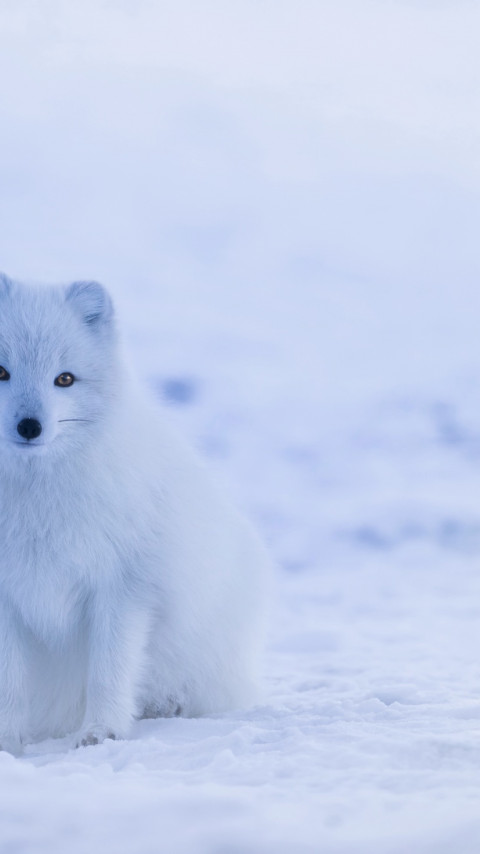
column 5, row 285
column 91, row 301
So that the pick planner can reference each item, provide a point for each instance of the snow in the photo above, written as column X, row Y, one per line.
column 283, row 198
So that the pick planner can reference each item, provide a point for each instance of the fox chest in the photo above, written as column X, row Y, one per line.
column 48, row 583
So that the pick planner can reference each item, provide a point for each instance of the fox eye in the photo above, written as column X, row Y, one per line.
column 64, row 380
column 4, row 375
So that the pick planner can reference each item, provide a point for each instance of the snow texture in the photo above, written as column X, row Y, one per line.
column 283, row 198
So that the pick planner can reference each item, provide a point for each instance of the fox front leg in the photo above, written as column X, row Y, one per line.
column 117, row 641
column 13, row 698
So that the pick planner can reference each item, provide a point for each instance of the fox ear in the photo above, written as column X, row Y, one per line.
column 91, row 301
column 5, row 285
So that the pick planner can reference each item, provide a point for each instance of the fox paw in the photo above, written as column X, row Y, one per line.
column 94, row 735
column 10, row 744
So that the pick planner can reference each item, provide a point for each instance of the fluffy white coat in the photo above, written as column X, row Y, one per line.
column 128, row 587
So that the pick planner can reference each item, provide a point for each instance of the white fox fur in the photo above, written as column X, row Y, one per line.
column 128, row 587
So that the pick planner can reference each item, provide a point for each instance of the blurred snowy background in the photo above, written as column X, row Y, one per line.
column 283, row 198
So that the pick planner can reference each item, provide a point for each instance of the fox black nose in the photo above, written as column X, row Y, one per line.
column 29, row 428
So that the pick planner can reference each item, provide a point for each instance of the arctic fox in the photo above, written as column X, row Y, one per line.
column 128, row 587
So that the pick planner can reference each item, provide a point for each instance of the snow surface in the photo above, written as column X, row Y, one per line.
column 284, row 198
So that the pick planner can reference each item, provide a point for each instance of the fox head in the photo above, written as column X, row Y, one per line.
column 58, row 369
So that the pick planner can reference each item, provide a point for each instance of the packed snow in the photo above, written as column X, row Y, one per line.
column 283, row 198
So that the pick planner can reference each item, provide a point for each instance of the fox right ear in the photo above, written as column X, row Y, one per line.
column 91, row 301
